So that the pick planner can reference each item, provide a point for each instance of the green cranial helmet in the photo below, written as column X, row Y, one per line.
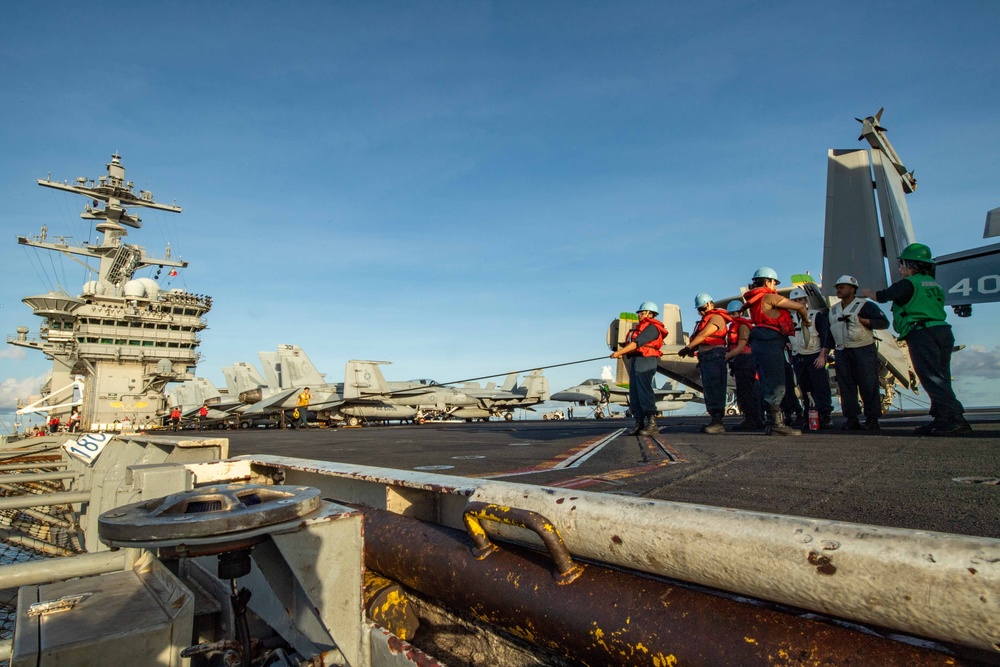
column 917, row 252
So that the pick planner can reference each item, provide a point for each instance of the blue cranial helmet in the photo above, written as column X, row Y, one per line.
column 768, row 273
column 650, row 306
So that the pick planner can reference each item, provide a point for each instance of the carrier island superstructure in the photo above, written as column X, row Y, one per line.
column 115, row 346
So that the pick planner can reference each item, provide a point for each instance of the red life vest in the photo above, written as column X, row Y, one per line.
column 718, row 337
column 651, row 349
column 733, row 333
column 783, row 323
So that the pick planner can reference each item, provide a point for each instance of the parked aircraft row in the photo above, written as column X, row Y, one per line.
column 252, row 397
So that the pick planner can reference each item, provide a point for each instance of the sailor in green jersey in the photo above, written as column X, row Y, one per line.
column 918, row 318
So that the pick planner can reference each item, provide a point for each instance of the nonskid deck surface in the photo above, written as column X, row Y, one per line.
column 889, row 478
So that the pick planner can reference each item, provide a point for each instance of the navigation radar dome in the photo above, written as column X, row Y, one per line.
column 134, row 288
column 152, row 287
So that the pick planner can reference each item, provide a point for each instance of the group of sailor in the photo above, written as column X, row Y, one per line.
column 756, row 349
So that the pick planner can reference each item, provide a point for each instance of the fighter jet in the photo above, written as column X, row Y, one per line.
column 366, row 395
column 289, row 370
column 492, row 402
column 602, row 393
column 190, row 395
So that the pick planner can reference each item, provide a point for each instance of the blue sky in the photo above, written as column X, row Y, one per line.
column 465, row 188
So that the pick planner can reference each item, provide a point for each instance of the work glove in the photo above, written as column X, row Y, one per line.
column 685, row 352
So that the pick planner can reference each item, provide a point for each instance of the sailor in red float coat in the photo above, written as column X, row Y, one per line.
column 641, row 353
column 772, row 326
column 743, row 369
column 710, row 339
column 653, row 347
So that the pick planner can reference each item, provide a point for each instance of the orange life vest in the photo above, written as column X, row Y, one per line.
column 783, row 323
column 733, row 333
column 651, row 349
column 718, row 337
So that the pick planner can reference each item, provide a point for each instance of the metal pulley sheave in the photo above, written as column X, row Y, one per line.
column 209, row 519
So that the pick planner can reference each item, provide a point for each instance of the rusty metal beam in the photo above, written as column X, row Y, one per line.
column 607, row 617
column 936, row 585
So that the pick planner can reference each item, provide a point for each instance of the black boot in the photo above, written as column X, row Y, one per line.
column 777, row 424
column 749, row 425
column 716, row 425
column 639, row 425
column 852, row 424
column 825, row 421
column 927, row 429
column 952, row 427
column 651, row 428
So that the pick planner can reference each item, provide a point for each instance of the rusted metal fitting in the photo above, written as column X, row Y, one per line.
column 386, row 604
column 566, row 570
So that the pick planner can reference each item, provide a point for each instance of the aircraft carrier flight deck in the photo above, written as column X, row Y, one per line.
column 889, row 478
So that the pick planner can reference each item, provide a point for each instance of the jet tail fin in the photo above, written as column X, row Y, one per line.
column 242, row 376
column 536, row 386
column 295, row 369
column 510, row 383
column 364, row 379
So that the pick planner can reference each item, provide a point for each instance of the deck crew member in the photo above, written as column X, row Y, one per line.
column 741, row 366
column 918, row 318
column 852, row 321
column 810, row 346
column 641, row 352
column 772, row 325
column 175, row 418
column 709, row 339
column 302, row 407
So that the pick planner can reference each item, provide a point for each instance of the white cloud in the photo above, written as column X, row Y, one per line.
column 12, row 389
column 976, row 361
column 11, row 352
